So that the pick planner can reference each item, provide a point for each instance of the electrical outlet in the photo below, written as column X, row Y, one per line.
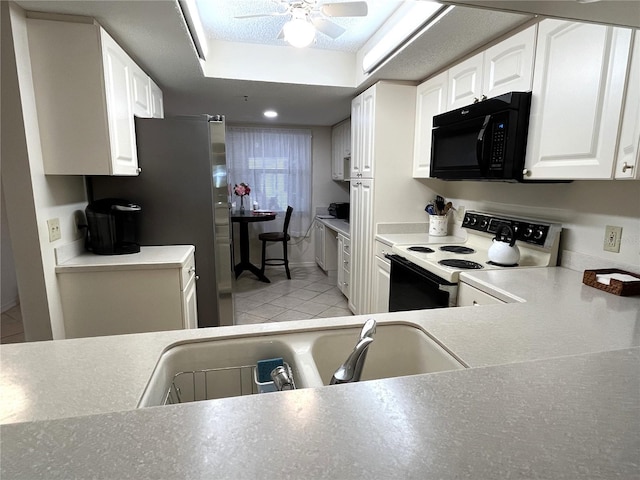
column 54, row 229
column 612, row 236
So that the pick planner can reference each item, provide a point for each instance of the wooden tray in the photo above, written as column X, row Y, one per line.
column 617, row 287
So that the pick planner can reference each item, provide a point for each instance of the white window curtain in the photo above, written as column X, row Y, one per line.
column 276, row 164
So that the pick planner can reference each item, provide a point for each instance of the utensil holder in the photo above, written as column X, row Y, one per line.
column 438, row 225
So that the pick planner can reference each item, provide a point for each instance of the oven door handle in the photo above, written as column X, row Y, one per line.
column 480, row 145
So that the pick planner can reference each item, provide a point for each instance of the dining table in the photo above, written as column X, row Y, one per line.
column 243, row 219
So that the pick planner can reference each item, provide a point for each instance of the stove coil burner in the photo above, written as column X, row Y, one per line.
column 490, row 262
column 421, row 249
column 457, row 249
column 463, row 264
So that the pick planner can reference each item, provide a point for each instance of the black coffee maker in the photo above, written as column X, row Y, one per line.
column 112, row 227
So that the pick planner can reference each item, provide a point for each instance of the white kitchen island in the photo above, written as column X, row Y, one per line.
column 552, row 391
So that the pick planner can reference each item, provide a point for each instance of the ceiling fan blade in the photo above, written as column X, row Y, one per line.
column 260, row 15
column 328, row 27
column 349, row 9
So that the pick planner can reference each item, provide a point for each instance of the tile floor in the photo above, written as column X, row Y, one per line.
column 309, row 294
column 11, row 329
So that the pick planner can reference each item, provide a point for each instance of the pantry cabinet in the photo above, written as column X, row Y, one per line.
column 341, row 150
column 153, row 290
column 578, row 91
column 628, row 156
column 504, row 67
column 87, row 91
column 383, row 118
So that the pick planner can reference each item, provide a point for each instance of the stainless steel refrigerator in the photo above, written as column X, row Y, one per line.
column 183, row 191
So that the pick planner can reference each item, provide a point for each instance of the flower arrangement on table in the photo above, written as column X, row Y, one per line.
column 242, row 190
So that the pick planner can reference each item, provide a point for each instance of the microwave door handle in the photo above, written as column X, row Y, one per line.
column 480, row 145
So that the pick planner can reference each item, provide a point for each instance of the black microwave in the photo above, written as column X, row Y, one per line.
column 483, row 141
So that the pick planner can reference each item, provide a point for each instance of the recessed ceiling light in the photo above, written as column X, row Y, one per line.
column 271, row 114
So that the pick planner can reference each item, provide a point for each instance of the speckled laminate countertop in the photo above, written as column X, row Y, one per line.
column 559, row 399
column 164, row 256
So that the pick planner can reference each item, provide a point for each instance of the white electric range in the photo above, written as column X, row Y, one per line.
column 426, row 275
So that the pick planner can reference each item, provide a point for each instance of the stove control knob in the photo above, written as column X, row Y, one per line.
column 539, row 234
column 484, row 223
column 473, row 220
column 528, row 232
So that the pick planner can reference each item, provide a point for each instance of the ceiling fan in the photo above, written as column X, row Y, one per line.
column 308, row 16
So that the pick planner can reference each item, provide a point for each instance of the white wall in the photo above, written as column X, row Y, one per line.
column 31, row 197
column 583, row 208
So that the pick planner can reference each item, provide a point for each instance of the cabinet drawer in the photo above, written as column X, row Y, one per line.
column 382, row 249
column 346, row 262
column 188, row 271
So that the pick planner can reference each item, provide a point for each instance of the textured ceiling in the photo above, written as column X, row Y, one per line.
column 154, row 34
column 218, row 18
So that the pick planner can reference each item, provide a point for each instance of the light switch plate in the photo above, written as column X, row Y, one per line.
column 53, row 225
column 612, row 237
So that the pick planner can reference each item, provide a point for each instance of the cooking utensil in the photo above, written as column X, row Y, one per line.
column 440, row 205
column 430, row 209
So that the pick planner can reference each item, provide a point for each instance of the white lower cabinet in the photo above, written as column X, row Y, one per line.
column 325, row 247
column 103, row 299
column 578, row 89
column 361, row 245
column 382, row 279
column 471, row 296
column 344, row 264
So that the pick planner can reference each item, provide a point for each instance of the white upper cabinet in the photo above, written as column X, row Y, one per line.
column 505, row 67
column 157, row 105
column 363, row 111
column 431, row 100
column 118, row 92
column 578, row 87
column 628, row 158
column 341, row 150
column 87, row 91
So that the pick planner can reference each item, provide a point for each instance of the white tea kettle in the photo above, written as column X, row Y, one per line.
column 504, row 250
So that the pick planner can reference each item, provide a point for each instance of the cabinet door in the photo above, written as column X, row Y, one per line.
column 508, row 66
column 628, row 156
column 319, row 245
column 190, row 305
column 119, row 107
column 140, row 92
column 368, row 132
column 356, row 136
column 465, row 83
column 431, row 100
column 361, row 245
column 337, row 148
column 578, row 86
column 381, row 289
column 157, row 104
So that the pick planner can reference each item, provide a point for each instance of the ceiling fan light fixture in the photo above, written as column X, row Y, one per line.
column 299, row 33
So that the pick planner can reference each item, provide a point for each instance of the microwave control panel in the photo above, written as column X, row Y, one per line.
column 498, row 145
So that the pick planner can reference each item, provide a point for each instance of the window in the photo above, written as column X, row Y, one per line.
column 276, row 163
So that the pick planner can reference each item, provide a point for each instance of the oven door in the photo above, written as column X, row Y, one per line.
column 414, row 288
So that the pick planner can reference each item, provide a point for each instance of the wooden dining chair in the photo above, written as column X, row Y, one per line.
column 283, row 237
